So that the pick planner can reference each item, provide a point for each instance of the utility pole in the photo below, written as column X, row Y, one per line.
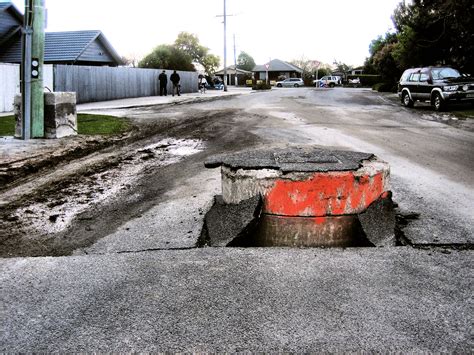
column 225, row 47
column 32, row 70
column 235, row 65
column 37, row 62
column 25, row 72
column 225, row 44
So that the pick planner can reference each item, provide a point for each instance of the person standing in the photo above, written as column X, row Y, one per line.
column 163, row 78
column 175, row 80
column 202, row 83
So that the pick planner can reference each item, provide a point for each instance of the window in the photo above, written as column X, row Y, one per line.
column 443, row 73
column 424, row 77
column 415, row 77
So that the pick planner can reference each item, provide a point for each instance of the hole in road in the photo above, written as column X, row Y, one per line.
column 244, row 225
column 279, row 231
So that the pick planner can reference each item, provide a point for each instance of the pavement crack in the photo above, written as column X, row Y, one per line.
column 154, row 249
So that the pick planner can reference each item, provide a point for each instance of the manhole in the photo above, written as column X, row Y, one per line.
column 301, row 197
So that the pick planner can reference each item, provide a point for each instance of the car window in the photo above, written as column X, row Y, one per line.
column 405, row 75
column 424, row 77
column 444, row 73
column 415, row 77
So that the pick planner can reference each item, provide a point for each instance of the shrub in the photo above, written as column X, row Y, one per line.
column 261, row 86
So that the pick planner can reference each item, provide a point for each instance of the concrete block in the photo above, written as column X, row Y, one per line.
column 309, row 194
column 18, row 115
column 60, row 115
column 311, row 197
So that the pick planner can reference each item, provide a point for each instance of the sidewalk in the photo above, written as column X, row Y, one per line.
column 161, row 100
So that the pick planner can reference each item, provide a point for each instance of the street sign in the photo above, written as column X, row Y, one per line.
column 267, row 66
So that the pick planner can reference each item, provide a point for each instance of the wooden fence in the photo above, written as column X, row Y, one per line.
column 106, row 83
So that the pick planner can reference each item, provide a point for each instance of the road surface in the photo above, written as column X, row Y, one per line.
column 115, row 234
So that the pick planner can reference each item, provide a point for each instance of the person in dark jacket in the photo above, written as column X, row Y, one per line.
column 163, row 78
column 175, row 80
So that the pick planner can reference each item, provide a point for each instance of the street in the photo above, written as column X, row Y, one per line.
column 100, row 253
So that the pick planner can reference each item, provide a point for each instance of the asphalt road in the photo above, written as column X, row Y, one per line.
column 133, row 280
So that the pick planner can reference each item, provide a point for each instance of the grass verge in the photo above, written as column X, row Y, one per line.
column 101, row 124
column 7, row 126
column 87, row 124
column 465, row 114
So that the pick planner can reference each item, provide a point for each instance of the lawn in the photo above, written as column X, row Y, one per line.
column 7, row 126
column 87, row 125
column 101, row 124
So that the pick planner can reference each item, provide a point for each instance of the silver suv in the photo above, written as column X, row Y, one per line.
column 291, row 82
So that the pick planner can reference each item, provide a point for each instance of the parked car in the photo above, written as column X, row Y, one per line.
column 328, row 81
column 438, row 85
column 291, row 82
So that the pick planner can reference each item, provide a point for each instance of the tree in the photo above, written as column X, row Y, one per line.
column 342, row 67
column 382, row 58
column 130, row 60
column 435, row 32
column 428, row 32
column 308, row 66
column 167, row 57
column 189, row 43
column 245, row 61
column 181, row 55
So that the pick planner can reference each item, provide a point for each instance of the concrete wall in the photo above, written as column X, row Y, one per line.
column 10, row 83
column 106, row 83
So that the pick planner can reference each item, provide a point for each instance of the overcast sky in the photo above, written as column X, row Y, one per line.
column 324, row 30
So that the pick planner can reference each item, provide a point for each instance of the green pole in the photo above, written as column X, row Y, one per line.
column 37, row 60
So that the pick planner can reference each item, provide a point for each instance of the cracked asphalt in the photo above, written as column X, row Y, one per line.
column 117, row 268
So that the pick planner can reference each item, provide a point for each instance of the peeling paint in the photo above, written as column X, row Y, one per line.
column 335, row 193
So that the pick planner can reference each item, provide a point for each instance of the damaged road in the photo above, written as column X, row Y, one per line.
column 107, row 252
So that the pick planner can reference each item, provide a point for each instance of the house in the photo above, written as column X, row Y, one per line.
column 356, row 71
column 277, row 69
column 10, row 22
column 72, row 47
column 242, row 75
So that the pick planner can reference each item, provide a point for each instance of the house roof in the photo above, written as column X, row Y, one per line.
column 231, row 70
column 64, row 47
column 11, row 20
column 278, row 65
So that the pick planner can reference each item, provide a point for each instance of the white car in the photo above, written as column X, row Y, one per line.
column 291, row 82
column 328, row 81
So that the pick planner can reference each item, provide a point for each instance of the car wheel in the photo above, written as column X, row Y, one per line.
column 331, row 85
column 296, row 85
column 437, row 102
column 406, row 101
column 279, row 85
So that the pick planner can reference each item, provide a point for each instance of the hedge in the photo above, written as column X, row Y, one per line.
column 368, row 80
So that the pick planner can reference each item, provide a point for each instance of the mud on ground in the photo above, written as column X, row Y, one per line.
column 54, row 203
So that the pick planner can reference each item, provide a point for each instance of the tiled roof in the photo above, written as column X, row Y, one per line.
column 277, row 65
column 67, row 46
column 10, row 20
column 231, row 70
column 62, row 46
